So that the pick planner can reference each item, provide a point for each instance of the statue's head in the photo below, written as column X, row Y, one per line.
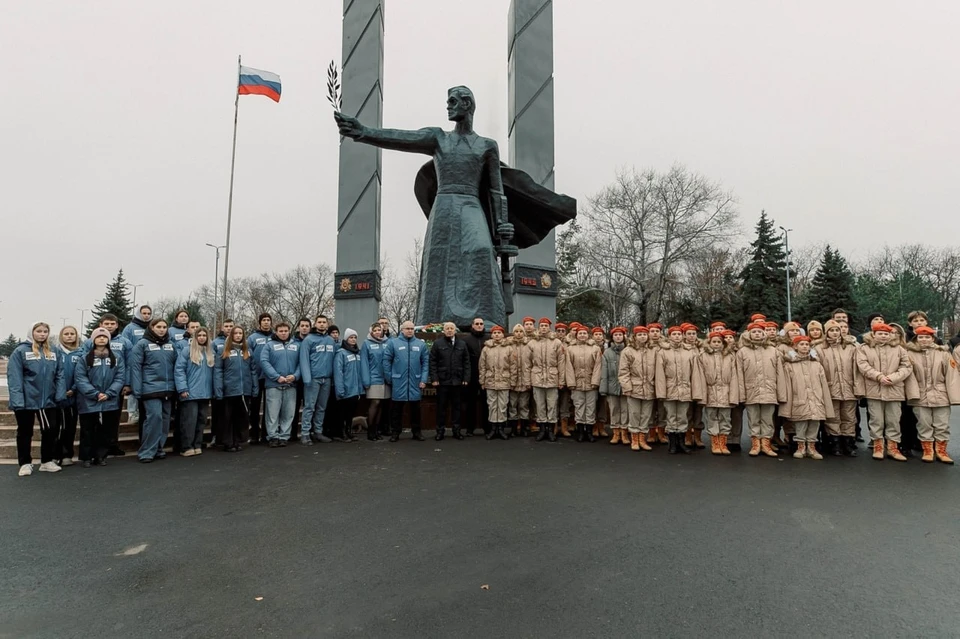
column 460, row 104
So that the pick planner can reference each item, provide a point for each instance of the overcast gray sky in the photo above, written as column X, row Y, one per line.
column 840, row 118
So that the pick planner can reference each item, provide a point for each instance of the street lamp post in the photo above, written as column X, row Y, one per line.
column 83, row 312
column 786, row 248
column 135, row 287
column 216, row 277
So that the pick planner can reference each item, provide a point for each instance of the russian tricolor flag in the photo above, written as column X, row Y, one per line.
column 257, row 82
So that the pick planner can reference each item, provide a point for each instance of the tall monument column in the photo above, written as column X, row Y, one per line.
column 530, row 110
column 357, row 280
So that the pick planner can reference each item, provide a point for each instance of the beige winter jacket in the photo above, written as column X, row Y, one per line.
column 521, row 378
column 802, row 389
column 935, row 380
column 840, row 366
column 583, row 366
column 876, row 361
column 759, row 364
column 544, row 362
column 679, row 377
column 721, row 377
column 498, row 365
column 637, row 372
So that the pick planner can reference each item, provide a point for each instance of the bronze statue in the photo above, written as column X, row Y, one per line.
column 477, row 210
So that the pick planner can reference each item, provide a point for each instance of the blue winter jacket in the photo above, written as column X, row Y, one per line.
column 235, row 376
column 255, row 343
column 121, row 347
column 371, row 361
column 195, row 379
column 406, row 363
column 34, row 381
column 346, row 373
column 134, row 331
column 279, row 359
column 218, row 343
column 100, row 377
column 69, row 360
column 317, row 353
column 152, row 364
column 177, row 335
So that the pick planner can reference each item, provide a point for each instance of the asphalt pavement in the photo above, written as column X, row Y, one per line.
column 481, row 539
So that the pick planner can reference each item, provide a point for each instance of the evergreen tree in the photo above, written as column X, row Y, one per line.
column 764, row 283
column 8, row 346
column 193, row 309
column 575, row 300
column 114, row 301
column 832, row 288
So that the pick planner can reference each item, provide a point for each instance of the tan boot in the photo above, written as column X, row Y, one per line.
column 878, row 449
column 534, row 427
column 715, row 445
column 625, row 436
column 754, row 446
column 642, row 442
column 615, row 439
column 634, row 441
column 927, row 452
column 688, row 438
column 801, row 450
column 766, row 449
column 662, row 435
column 893, row 451
column 723, row 445
column 812, row 451
column 565, row 427
column 941, row 449
column 698, row 438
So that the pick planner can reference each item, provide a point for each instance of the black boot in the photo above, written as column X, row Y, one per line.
column 499, row 430
column 542, row 435
column 511, row 428
column 672, row 443
column 524, row 428
column 439, row 435
column 579, row 432
column 457, row 433
column 681, row 447
column 394, row 437
column 588, row 433
column 492, row 432
column 851, row 449
column 551, row 432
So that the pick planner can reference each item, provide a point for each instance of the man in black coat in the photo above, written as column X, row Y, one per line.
column 449, row 374
column 474, row 397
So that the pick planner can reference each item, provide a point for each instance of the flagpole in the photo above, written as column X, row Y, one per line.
column 233, row 163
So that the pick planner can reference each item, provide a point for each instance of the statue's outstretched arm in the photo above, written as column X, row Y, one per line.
column 419, row 141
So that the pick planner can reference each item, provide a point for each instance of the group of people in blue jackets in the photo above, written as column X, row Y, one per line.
column 180, row 374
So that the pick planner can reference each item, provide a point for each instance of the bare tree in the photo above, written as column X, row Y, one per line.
column 803, row 266
column 640, row 230
column 400, row 290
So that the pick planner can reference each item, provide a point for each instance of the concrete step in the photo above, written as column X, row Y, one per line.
column 129, row 442
column 9, row 418
column 4, row 404
column 10, row 431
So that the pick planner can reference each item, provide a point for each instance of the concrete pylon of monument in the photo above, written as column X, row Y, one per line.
column 357, row 279
column 531, row 135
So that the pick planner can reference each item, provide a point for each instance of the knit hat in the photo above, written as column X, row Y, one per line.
column 924, row 330
column 497, row 328
column 347, row 333
column 99, row 332
column 826, row 327
column 800, row 338
column 640, row 329
column 791, row 326
column 814, row 324
column 882, row 328
column 618, row 329
column 873, row 316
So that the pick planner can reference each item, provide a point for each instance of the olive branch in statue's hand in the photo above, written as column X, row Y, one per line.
column 349, row 127
column 333, row 86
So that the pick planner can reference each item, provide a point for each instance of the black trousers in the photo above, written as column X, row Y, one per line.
column 295, row 427
column 348, row 408
column 385, row 415
column 396, row 416
column 448, row 396
column 95, row 430
column 234, row 421
column 68, row 432
column 49, row 419
column 216, row 416
column 475, row 407
column 332, row 419
column 257, row 433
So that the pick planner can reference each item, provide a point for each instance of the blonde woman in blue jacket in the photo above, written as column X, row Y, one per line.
column 194, row 378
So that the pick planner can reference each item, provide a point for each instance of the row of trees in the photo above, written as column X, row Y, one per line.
column 667, row 247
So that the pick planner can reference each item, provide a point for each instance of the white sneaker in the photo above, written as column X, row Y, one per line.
column 133, row 417
column 66, row 462
column 49, row 467
column 26, row 470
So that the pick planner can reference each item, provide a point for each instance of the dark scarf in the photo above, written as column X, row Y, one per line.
column 180, row 326
column 347, row 347
column 150, row 336
column 92, row 354
column 142, row 323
